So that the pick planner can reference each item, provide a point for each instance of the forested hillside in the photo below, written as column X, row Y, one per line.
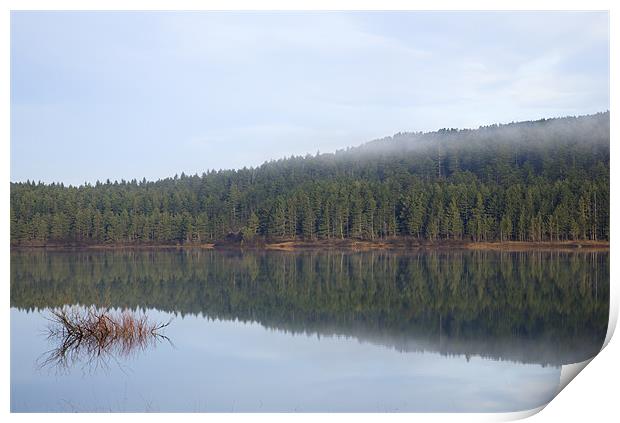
column 546, row 180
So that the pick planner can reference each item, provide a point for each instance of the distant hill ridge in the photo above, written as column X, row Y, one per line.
column 545, row 180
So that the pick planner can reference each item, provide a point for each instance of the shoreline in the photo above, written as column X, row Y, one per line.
column 347, row 245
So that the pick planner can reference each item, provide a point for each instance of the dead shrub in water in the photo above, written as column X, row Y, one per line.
column 94, row 335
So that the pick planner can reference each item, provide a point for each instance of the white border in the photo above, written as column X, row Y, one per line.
column 593, row 395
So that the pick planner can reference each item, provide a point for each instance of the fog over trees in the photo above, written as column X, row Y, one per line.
column 545, row 180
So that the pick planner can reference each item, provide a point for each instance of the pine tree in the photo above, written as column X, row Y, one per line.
column 251, row 229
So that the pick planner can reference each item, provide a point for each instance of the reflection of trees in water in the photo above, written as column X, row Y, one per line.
column 554, row 305
column 93, row 336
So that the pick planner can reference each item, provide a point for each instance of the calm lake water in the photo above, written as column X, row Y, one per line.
column 310, row 331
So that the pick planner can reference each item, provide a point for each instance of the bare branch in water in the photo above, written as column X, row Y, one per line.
column 94, row 336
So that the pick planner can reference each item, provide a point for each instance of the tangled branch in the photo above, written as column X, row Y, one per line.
column 94, row 335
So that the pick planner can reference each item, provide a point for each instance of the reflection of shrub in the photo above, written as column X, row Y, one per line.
column 93, row 335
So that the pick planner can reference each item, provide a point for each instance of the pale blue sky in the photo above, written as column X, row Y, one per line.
column 122, row 95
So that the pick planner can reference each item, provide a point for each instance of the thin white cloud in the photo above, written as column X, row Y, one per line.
column 233, row 89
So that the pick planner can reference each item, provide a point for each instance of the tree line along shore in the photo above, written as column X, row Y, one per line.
column 537, row 183
column 394, row 244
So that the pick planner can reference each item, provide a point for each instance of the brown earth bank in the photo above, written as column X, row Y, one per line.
column 339, row 244
column 359, row 245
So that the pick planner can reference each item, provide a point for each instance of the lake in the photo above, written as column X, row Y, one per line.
column 309, row 331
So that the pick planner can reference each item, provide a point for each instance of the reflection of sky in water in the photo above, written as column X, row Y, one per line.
column 232, row 366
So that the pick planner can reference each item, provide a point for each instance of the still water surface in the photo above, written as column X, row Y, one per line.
column 308, row 331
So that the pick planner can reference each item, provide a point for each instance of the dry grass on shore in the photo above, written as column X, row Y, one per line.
column 343, row 244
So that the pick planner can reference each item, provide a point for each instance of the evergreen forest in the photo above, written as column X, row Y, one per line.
column 545, row 180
